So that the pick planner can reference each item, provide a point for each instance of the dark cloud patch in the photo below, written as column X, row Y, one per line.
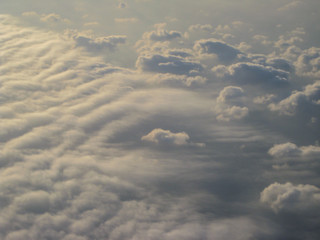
column 168, row 64
column 225, row 52
column 308, row 63
column 99, row 43
column 299, row 101
column 250, row 73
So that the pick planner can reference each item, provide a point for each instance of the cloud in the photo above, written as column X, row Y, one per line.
column 281, row 64
column 285, row 150
column 298, row 100
column 161, row 136
column 289, row 197
column 122, row 5
column 290, row 6
column 225, row 52
column 166, row 137
column 161, row 34
column 308, row 63
column 202, row 27
column 96, row 147
column 266, row 99
column 232, row 113
column 52, row 18
column 174, row 80
column 230, row 93
column 167, row 64
column 126, row 20
column 97, row 44
column 34, row 202
column 250, row 73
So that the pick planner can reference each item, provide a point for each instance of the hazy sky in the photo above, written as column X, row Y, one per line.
column 159, row 120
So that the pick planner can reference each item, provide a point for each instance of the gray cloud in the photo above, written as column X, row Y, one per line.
column 97, row 43
column 289, row 197
column 298, row 100
column 250, row 73
column 161, row 34
column 166, row 137
column 167, row 64
column 292, row 150
column 230, row 93
column 203, row 27
column 232, row 113
column 85, row 153
column 308, row 63
column 225, row 52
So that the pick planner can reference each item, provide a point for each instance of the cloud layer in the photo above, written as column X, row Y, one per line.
column 135, row 120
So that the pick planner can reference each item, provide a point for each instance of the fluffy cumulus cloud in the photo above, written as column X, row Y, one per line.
column 225, row 52
column 132, row 120
column 232, row 113
column 292, row 150
column 230, row 93
column 166, row 137
column 97, row 43
column 252, row 73
column 289, row 197
column 299, row 100
column 161, row 34
column 308, row 63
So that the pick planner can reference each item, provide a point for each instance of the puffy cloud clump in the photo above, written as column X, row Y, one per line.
column 230, row 93
column 251, row 73
column 308, row 63
column 96, row 44
column 232, row 113
column 80, row 157
column 161, row 34
column 230, row 105
column 225, row 52
column 289, row 197
column 298, row 100
column 166, row 137
column 285, row 150
column 163, row 63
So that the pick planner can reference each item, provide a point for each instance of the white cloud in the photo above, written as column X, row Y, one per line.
column 284, row 150
column 230, row 93
column 79, row 158
column 166, row 137
column 298, row 100
column 98, row 43
column 291, row 150
column 161, row 34
column 265, row 99
column 308, row 63
column 232, row 113
column 289, row 197
column 225, row 52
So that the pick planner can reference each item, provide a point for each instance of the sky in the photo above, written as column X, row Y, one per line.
column 159, row 120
